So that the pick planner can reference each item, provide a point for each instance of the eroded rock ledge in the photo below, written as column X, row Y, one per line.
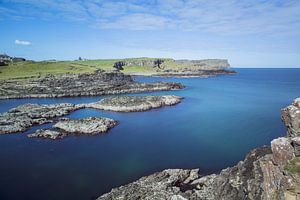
column 87, row 126
column 269, row 173
column 69, row 85
column 23, row 117
column 134, row 103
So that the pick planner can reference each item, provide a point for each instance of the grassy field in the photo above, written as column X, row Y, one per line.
column 31, row 69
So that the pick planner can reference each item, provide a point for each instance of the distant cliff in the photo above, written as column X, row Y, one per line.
column 268, row 173
column 168, row 62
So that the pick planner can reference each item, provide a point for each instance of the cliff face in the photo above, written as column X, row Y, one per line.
column 270, row 173
column 206, row 63
column 199, row 64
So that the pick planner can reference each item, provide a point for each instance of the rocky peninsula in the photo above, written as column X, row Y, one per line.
column 23, row 117
column 70, row 85
column 269, row 173
column 134, row 103
column 86, row 126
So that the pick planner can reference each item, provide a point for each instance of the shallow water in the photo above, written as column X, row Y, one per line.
column 215, row 126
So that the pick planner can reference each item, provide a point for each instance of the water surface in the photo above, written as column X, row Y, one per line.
column 215, row 126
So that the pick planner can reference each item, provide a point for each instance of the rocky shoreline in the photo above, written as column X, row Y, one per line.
column 134, row 103
column 269, row 173
column 71, row 85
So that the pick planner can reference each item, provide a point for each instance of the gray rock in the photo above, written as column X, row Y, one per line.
column 65, row 127
column 21, row 118
column 134, row 103
column 90, row 126
column 291, row 118
column 296, row 145
column 283, row 150
column 50, row 134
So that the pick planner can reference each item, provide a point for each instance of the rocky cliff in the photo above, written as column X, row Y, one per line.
column 269, row 173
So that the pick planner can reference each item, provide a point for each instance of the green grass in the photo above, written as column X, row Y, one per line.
column 31, row 69
column 293, row 166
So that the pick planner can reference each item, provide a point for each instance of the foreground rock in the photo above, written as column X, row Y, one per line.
column 291, row 117
column 134, row 103
column 21, row 118
column 87, row 126
column 269, row 173
column 68, row 85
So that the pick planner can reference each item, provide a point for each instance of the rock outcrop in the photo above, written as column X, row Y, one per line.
column 68, row 85
column 21, row 118
column 291, row 118
column 268, row 173
column 65, row 127
column 134, row 103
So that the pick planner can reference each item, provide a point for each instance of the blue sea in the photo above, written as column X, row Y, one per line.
column 218, row 122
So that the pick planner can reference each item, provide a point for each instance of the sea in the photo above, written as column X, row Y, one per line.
column 218, row 122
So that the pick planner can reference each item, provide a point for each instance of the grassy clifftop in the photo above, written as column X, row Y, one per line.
column 32, row 69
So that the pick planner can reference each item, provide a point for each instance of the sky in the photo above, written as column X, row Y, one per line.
column 249, row 33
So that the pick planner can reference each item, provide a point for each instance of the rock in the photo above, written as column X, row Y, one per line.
column 65, row 127
column 291, row 118
column 91, row 125
column 68, row 85
column 134, row 103
column 161, row 185
column 282, row 150
column 296, row 145
column 21, row 118
column 50, row 134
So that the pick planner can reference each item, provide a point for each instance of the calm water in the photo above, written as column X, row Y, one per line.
column 215, row 126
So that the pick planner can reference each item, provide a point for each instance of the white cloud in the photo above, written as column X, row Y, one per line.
column 22, row 42
column 218, row 16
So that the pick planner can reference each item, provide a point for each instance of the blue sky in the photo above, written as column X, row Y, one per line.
column 250, row 33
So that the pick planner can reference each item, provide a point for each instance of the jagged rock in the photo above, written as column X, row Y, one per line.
column 68, row 85
column 50, row 134
column 296, row 145
column 91, row 125
column 161, row 185
column 134, row 103
column 282, row 150
column 291, row 118
column 21, row 118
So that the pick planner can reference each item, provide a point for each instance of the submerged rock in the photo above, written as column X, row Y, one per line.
column 21, row 118
column 134, row 103
column 86, row 126
column 268, row 173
